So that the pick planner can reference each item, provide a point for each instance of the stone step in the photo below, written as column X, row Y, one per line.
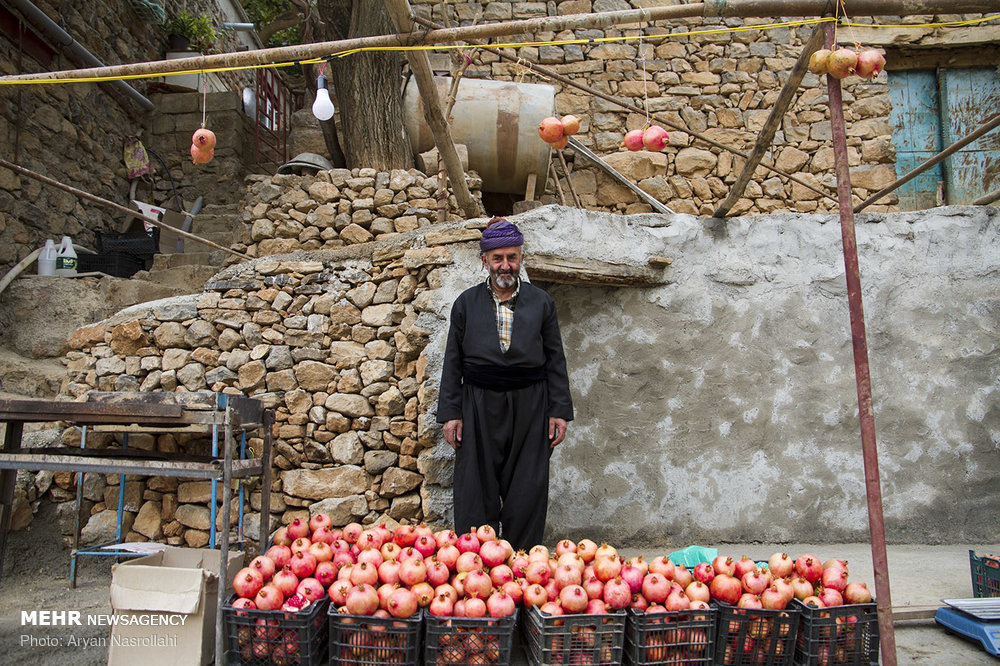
column 164, row 261
column 190, row 279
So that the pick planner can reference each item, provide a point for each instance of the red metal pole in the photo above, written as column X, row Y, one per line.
column 869, row 449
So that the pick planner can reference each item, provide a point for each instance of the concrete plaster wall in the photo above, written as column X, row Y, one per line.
column 722, row 406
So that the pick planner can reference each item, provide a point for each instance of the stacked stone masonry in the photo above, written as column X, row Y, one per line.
column 332, row 345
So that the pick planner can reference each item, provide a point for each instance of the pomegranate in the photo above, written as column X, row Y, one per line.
column 809, row 567
column 486, row 533
column 326, row 573
column 813, row 601
column 725, row 588
column 324, row 534
column 388, row 572
column 338, row 593
column 445, row 538
column 724, row 565
column 500, row 604
column 781, row 565
column 369, row 557
column 447, row 589
column 677, row 601
column 303, row 564
column 594, row 588
column 300, row 544
column 412, row 571
column 870, row 64
column 830, row 597
column 492, row 553
column 565, row 546
column 801, row 587
column 560, row 143
column 606, row 568
column 365, row 573
column 682, row 575
column 552, row 590
column 655, row 138
column 817, row 61
column 573, row 599
column 633, row 140
column 311, row 589
column 841, row 63
column 535, row 595
column 639, row 602
column 570, row 125
column 704, row 572
column 448, row 555
column 475, row 608
column 743, row 566
column 512, row 588
column 596, row 607
column 700, row 605
column 269, row 598
column 773, row 599
column 243, row 604
column 323, row 553
column 754, row 582
column 468, row 543
column 477, row 584
column 320, row 519
column 698, row 591
column 203, row 138
column 442, row 606
column 655, row 588
column 643, row 566
column 538, row 552
column 201, row 155
column 437, row 572
column 587, row 549
column 362, row 600
column 279, row 555
column 663, row 565
column 295, row 603
column 834, row 578
column 369, row 539
column 748, row 600
column 857, row 593
column 573, row 560
column 459, row 608
column 352, row 532
column 247, row 582
column 298, row 528
column 551, row 608
column 633, row 576
column 567, row 575
column 423, row 530
column 538, row 572
column 425, row 545
column 470, row 561
column 550, row 129
column 281, row 537
column 285, row 581
column 617, row 594
column 402, row 603
column 785, row 588
column 424, row 593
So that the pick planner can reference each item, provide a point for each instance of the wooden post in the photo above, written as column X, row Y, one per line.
column 572, row 188
column 11, row 444
column 774, row 119
column 399, row 11
column 555, row 177
column 987, row 198
column 866, row 413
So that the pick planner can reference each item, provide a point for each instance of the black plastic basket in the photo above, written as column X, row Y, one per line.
column 361, row 640
column 118, row 264
column 137, row 243
column 842, row 635
column 281, row 638
column 760, row 637
column 468, row 641
column 676, row 637
column 574, row 639
column 985, row 575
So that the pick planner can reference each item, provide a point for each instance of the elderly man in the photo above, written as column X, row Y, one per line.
column 504, row 398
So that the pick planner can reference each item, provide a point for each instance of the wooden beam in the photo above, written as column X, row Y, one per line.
column 900, row 59
column 590, row 272
column 399, row 12
column 909, row 36
column 987, row 199
column 766, row 136
column 572, row 188
column 715, row 8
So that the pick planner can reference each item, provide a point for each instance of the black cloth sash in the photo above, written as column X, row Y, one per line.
column 502, row 378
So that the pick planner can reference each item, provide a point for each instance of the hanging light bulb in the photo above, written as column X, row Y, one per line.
column 323, row 106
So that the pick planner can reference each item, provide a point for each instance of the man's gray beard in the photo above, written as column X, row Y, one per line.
column 505, row 280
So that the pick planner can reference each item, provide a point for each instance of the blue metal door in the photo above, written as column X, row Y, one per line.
column 916, row 135
column 969, row 97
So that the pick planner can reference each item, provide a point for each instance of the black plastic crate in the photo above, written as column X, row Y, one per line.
column 985, row 575
column 276, row 638
column 362, row 640
column 760, row 637
column 843, row 635
column 118, row 264
column 137, row 243
column 468, row 641
column 676, row 637
column 559, row 640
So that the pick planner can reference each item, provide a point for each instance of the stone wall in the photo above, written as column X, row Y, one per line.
column 76, row 133
column 720, row 85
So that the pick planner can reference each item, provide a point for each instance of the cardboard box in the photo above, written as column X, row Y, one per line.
column 166, row 605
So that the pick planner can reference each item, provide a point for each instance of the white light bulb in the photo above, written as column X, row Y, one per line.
column 323, row 106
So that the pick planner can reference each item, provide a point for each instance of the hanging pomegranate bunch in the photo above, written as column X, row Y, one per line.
column 557, row 131
column 843, row 62
column 202, row 145
column 652, row 138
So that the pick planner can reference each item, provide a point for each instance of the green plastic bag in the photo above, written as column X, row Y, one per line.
column 693, row 555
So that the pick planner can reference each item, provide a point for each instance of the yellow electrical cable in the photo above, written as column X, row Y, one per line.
column 446, row 47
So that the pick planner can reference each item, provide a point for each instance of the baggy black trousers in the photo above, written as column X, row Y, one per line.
column 502, row 465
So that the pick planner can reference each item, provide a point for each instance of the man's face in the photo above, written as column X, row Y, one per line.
column 504, row 265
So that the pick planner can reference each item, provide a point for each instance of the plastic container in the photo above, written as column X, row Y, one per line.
column 137, row 243
column 262, row 638
column 574, row 639
column 678, row 638
column 66, row 258
column 755, row 636
column 468, row 641
column 118, row 264
column 985, row 575
column 47, row 258
column 845, row 635
column 361, row 640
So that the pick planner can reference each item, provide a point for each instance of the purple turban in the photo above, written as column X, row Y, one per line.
column 500, row 234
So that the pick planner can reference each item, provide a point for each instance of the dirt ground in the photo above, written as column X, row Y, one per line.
column 36, row 577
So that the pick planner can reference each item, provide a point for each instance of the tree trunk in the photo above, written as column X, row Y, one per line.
column 367, row 88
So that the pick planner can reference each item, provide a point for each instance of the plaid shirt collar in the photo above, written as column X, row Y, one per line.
column 510, row 301
column 504, row 311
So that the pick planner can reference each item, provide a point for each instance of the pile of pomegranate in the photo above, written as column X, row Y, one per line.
column 843, row 62
column 557, row 131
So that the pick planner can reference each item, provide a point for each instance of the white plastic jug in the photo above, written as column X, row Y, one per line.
column 66, row 258
column 47, row 259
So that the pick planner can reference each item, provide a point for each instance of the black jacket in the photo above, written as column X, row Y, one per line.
column 535, row 342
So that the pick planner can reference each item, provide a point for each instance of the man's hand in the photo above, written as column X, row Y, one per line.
column 557, row 431
column 453, row 432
